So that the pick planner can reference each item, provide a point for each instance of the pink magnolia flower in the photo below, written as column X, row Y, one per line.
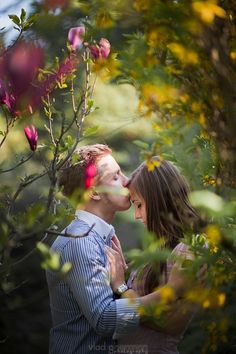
column 105, row 47
column 95, row 51
column 90, row 173
column 20, row 66
column 101, row 50
column 65, row 68
column 76, row 37
column 8, row 100
column 32, row 137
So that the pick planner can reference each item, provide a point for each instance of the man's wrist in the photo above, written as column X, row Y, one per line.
column 121, row 289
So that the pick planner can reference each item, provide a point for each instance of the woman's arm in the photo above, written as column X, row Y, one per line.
column 177, row 281
column 177, row 312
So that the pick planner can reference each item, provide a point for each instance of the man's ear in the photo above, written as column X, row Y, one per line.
column 93, row 194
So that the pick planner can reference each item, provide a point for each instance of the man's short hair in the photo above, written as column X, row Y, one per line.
column 72, row 174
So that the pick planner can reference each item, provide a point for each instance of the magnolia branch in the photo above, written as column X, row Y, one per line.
column 19, row 164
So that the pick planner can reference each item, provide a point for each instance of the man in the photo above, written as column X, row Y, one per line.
column 86, row 316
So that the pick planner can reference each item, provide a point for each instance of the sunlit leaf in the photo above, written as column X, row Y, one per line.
column 207, row 200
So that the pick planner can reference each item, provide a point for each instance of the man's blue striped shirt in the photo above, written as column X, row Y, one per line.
column 85, row 316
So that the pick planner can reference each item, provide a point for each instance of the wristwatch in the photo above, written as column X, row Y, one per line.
column 121, row 289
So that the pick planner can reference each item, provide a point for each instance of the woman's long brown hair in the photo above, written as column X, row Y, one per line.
column 168, row 210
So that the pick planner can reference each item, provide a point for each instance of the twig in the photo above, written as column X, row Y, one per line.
column 7, row 129
column 19, row 164
column 92, row 90
column 52, row 232
column 88, row 73
column 73, row 96
column 22, row 186
column 71, row 235
column 13, row 44
column 12, row 265
column 50, row 121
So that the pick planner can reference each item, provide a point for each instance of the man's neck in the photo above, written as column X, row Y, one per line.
column 100, row 212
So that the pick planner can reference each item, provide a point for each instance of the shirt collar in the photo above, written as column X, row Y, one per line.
column 101, row 227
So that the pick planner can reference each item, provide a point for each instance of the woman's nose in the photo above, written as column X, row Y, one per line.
column 137, row 214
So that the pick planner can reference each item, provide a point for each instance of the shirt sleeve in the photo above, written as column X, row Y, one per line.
column 90, row 284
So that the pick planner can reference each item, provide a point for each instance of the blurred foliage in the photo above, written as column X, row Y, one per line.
column 168, row 88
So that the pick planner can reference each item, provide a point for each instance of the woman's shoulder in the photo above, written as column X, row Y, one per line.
column 183, row 250
column 181, row 247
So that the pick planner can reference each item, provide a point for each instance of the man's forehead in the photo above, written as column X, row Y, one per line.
column 108, row 163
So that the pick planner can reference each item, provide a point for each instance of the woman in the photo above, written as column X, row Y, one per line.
column 160, row 199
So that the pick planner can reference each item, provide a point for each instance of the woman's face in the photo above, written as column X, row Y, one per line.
column 139, row 206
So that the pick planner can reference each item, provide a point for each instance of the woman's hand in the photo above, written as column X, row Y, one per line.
column 117, row 268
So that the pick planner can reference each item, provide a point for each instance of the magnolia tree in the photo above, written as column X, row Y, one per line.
column 28, row 88
column 180, row 57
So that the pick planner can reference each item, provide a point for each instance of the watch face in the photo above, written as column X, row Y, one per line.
column 122, row 288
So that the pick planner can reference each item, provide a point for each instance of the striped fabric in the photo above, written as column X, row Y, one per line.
column 86, row 317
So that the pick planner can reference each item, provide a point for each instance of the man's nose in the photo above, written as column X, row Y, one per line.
column 125, row 181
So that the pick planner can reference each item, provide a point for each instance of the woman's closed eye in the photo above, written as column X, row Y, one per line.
column 138, row 205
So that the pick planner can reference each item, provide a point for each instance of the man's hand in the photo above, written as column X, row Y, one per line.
column 117, row 247
column 117, row 268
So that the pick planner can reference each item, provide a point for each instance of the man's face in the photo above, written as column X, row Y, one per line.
column 113, row 181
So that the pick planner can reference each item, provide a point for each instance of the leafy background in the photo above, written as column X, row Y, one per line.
column 168, row 88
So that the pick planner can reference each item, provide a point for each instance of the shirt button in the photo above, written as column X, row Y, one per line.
column 104, row 237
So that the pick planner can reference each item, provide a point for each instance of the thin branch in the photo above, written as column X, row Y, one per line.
column 71, row 235
column 52, row 173
column 22, row 186
column 73, row 96
column 74, row 117
column 19, row 164
column 13, row 44
column 88, row 73
column 7, row 128
column 50, row 121
column 3, row 269
column 9, row 123
column 93, row 86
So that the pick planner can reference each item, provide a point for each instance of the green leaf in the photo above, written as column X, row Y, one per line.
column 15, row 19
column 27, row 26
column 141, row 144
column 207, row 200
column 23, row 15
column 42, row 248
column 90, row 131
column 54, row 262
column 90, row 104
column 69, row 141
column 66, row 268
column 187, row 263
